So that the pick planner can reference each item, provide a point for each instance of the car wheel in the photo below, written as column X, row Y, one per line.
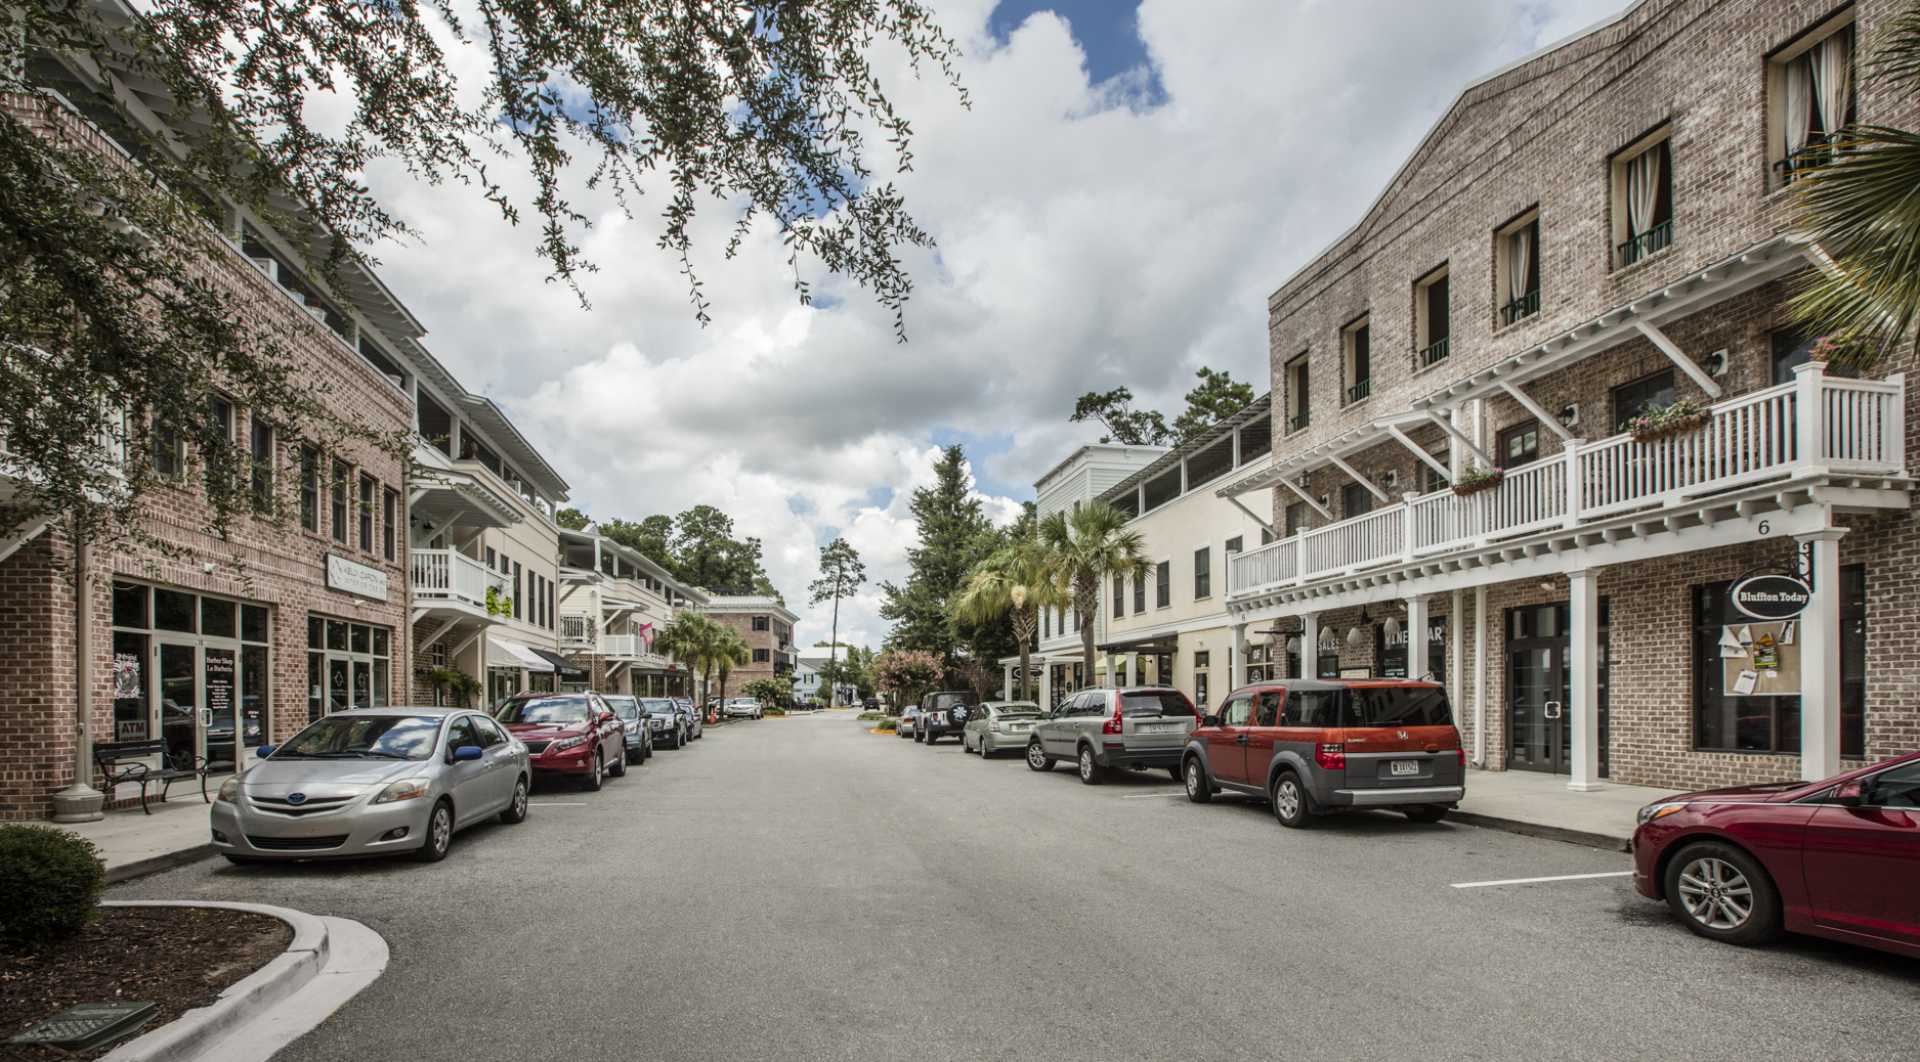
column 596, row 775
column 1290, row 802
column 517, row 810
column 1425, row 813
column 619, row 767
column 439, row 834
column 1037, row 758
column 985, row 751
column 1091, row 773
column 1199, row 789
column 1723, row 893
column 918, row 737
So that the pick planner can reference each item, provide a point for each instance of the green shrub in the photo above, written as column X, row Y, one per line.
column 871, row 717
column 773, row 710
column 887, row 724
column 50, row 882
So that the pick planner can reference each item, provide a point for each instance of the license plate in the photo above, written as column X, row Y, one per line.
column 1159, row 728
column 1400, row 768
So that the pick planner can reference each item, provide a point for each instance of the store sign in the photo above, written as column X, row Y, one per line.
column 356, row 578
column 1770, row 597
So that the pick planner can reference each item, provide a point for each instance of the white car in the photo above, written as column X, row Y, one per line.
column 742, row 708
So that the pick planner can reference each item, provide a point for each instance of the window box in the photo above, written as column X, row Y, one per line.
column 1475, row 480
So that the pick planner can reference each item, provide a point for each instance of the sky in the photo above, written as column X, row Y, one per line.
column 1131, row 181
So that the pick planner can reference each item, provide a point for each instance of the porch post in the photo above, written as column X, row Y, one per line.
column 1006, row 683
column 1584, row 682
column 1820, row 660
column 1310, row 645
column 1455, row 628
column 1480, row 675
column 1809, row 418
column 1046, row 684
column 1416, row 636
column 1239, row 676
column 1113, row 671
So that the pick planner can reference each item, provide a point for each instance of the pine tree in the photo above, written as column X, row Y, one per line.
column 954, row 536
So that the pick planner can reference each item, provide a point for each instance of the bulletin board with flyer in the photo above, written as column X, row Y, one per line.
column 1760, row 654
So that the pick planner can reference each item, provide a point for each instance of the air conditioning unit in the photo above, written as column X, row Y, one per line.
column 1570, row 415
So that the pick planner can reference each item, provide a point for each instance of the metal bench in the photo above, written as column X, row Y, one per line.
column 118, row 761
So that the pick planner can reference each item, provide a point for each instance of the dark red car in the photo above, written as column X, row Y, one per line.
column 574, row 734
column 1838, row 858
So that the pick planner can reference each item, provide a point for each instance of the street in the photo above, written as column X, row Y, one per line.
column 799, row 888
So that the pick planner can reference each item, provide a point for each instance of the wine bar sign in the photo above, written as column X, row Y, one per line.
column 1770, row 597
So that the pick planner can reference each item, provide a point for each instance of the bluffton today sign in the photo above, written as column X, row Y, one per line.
column 1770, row 597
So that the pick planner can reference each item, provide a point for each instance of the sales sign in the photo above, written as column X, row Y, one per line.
column 1770, row 597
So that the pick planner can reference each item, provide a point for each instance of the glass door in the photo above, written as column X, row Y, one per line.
column 219, row 717
column 337, row 690
column 180, row 725
column 1536, row 704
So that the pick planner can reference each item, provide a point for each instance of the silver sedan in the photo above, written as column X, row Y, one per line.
column 373, row 781
column 1003, row 725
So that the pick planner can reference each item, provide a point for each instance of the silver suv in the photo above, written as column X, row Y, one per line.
column 1134, row 726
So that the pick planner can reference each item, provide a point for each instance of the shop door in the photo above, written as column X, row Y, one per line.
column 180, row 725
column 218, row 713
column 1540, row 691
column 339, row 694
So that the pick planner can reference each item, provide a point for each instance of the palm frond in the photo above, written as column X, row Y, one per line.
column 1863, row 208
column 1895, row 58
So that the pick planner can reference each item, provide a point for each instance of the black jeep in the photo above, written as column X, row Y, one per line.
column 944, row 714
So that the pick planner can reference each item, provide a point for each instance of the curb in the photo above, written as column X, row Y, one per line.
column 1604, row 841
column 140, row 868
column 200, row 1031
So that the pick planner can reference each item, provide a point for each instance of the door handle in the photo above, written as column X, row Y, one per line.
column 1241, row 740
column 1550, row 710
column 206, row 717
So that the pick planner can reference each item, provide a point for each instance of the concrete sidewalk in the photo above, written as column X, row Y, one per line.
column 179, row 831
column 1541, row 805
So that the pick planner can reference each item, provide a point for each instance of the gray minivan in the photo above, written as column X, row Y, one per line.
column 1101, row 729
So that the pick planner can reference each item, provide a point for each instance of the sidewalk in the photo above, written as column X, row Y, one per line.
column 133, row 844
column 1541, row 805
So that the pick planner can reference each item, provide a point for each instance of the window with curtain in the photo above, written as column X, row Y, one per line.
column 1643, row 211
column 1517, row 268
column 1812, row 93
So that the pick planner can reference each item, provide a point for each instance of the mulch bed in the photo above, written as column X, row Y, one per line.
column 177, row 957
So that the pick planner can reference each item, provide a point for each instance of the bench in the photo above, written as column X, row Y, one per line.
column 118, row 761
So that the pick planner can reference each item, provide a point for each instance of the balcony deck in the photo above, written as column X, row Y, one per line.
column 1815, row 425
column 450, row 582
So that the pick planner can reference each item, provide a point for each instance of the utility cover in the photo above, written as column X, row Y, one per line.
column 88, row 1025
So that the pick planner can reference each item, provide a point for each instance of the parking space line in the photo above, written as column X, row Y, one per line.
column 1150, row 796
column 555, row 804
column 1531, row 881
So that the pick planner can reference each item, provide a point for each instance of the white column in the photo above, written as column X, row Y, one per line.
column 1046, row 684
column 1113, row 671
column 1416, row 636
column 1239, row 677
column 1820, row 660
column 1480, row 675
column 1584, row 682
column 1455, row 660
column 1007, row 688
column 1310, row 645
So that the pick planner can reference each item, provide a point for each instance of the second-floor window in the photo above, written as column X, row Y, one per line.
column 1355, row 500
column 367, row 491
column 339, row 513
column 1202, row 573
column 761, row 623
column 1356, row 346
column 1518, row 445
column 1649, row 392
column 1297, row 405
column 1516, row 268
column 1433, row 320
column 1296, row 522
column 1163, row 584
column 1139, row 592
column 761, row 656
column 389, row 518
column 1119, row 596
column 1235, row 545
column 1643, row 199
column 1810, row 97
column 310, row 489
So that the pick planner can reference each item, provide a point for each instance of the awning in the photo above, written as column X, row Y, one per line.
column 568, row 672
column 523, row 653
column 1159, row 643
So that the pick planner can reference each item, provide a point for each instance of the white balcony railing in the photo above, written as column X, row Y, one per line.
column 1814, row 423
column 449, row 575
column 577, row 631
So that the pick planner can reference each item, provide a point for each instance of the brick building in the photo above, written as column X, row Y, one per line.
column 212, row 645
column 767, row 626
column 1596, row 234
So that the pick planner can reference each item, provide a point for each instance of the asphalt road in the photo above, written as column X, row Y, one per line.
column 800, row 889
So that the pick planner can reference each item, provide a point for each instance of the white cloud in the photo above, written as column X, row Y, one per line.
column 1082, row 245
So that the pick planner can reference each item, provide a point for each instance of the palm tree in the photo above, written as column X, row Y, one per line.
column 1086, row 548
column 727, row 652
column 1014, row 580
column 1862, row 207
column 688, row 640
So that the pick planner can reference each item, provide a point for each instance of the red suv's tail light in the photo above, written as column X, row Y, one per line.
column 1331, row 756
column 1463, row 757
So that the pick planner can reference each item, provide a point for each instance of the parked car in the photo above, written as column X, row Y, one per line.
column 1313, row 746
column 1838, row 858
column 943, row 714
column 909, row 720
column 696, row 723
column 999, row 725
column 741, row 708
column 633, row 722
column 1099, row 730
column 572, row 735
column 373, row 781
column 668, row 721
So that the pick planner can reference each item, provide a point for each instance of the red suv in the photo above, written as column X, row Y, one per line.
column 1838, row 858
column 1313, row 746
column 574, row 734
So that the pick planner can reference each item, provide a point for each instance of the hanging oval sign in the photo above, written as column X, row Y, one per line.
column 1770, row 597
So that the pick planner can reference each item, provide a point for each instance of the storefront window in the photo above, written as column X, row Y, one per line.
column 200, row 686
column 1390, row 654
column 130, row 705
column 1732, row 651
column 350, row 668
column 173, row 610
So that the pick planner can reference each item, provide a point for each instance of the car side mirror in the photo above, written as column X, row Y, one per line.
column 265, row 750
column 468, row 752
column 1850, row 795
column 1209, row 720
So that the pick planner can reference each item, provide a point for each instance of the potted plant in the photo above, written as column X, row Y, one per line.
column 1682, row 416
column 498, row 604
column 1844, row 353
column 1474, row 480
column 455, row 683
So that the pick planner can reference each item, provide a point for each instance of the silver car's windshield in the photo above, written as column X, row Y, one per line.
column 387, row 737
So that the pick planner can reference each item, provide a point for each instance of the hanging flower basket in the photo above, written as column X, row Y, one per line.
column 1660, row 422
column 1475, row 480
